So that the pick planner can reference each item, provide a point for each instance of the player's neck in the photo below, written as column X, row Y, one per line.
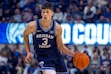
column 45, row 23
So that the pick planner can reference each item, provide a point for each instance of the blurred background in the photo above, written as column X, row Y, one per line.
column 86, row 26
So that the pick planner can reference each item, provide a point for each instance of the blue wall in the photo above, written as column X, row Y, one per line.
column 90, row 33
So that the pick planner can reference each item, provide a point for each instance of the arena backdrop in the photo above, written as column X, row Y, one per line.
column 90, row 33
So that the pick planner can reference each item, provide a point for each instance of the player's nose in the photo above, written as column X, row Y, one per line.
column 45, row 14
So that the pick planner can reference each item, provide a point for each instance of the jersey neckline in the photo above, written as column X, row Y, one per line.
column 43, row 28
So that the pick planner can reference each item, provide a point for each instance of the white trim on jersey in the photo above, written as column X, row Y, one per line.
column 47, row 68
column 62, row 73
column 49, row 72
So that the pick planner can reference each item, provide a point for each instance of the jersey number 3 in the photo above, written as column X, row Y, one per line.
column 45, row 41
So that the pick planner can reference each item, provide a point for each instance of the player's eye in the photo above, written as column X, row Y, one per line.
column 43, row 12
column 47, row 11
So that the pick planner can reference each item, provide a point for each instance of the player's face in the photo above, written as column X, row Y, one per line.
column 47, row 14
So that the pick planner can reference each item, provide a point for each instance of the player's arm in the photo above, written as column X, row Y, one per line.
column 59, row 41
column 29, row 29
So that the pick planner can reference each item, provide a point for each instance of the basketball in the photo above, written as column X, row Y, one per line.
column 81, row 60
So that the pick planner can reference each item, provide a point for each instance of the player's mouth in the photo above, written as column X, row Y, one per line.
column 45, row 17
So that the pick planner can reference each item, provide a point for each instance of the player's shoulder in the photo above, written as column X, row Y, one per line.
column 32, row 24
column 58, row 27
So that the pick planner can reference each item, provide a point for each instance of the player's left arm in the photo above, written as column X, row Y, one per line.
column 59, row 41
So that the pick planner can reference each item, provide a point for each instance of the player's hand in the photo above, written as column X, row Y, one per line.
column 28, row 57
column 77, row 52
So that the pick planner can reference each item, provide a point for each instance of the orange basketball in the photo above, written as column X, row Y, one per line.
column 81, row 60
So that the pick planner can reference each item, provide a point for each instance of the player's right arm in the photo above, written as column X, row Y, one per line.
column 29, row 29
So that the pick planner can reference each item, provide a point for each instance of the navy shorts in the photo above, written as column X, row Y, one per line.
column 54, row 61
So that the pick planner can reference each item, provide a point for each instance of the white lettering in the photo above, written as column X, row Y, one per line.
column 66, row 33
column 102, row 33
column 77, row 33
column 90, row 34
column 44, row 36
column 44, row 46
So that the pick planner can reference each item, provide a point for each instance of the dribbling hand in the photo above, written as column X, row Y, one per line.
column 28, row 57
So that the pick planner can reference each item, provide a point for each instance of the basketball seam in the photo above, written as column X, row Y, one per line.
column 87, row 59
column 82, row 61
column 77, row 60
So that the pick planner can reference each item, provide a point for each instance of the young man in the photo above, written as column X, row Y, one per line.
column 47, row 42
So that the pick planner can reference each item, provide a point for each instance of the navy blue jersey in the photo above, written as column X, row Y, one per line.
column 47, row 53
column 44, row 41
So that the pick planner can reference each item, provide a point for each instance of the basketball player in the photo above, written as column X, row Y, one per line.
column 47, row 42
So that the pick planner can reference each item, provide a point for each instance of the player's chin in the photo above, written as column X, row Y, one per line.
column 46, row 19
